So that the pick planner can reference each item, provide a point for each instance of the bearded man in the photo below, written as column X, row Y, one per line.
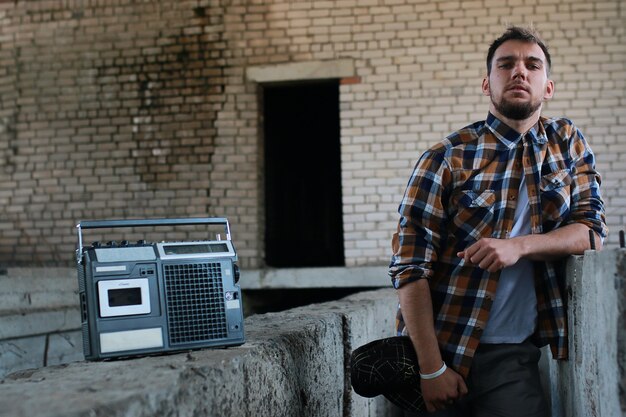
column 486, row 213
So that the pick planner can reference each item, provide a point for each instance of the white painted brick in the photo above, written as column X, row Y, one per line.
column 420, row 64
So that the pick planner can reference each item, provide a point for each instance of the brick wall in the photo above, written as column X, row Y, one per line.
column 129, row 109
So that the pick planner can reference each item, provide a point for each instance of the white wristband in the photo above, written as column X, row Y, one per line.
column 434, row 374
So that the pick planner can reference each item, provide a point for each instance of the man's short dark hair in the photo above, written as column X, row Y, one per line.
column 517, row 33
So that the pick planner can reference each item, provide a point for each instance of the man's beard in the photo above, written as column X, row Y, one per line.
column 515, row 111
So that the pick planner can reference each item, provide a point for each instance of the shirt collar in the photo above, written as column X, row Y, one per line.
column 510, row 137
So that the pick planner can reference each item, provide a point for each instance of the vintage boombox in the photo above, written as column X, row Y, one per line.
column 145, row 298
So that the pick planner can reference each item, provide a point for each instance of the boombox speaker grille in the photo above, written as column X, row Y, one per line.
column 195, row 302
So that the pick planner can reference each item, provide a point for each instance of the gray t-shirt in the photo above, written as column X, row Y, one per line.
column 513, row 315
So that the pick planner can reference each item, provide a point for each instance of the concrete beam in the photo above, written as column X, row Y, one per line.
column 298, row 71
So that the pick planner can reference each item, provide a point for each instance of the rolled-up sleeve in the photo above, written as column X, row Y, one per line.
column 587, row 206
column 415, row 245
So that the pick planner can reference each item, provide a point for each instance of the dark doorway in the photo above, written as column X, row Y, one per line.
column 304, row 225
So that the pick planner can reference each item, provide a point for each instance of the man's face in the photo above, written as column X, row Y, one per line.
column 518, row 82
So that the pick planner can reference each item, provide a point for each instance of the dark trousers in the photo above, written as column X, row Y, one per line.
column 503, row 380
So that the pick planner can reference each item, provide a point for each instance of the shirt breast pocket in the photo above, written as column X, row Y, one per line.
column 555, row 196
column 475, row 212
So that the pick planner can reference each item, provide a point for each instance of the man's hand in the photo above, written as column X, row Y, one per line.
column 441, row 392
column 493, row 254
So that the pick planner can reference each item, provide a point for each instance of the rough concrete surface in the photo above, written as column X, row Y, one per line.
column 592, row 382
column 293, row 364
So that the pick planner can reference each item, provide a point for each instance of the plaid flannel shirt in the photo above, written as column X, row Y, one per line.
column 465, row 188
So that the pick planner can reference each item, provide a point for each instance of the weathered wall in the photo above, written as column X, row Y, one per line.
column 293, row 364
column 132, row 109
column 108, row 110
column 593, row 382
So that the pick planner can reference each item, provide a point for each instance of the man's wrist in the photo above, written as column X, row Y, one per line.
column 435, row 374
column 525, row 245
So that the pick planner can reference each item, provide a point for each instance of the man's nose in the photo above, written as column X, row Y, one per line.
column 520, row 70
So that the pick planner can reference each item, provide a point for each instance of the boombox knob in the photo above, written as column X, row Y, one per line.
column 236, row 273
column 96, row 244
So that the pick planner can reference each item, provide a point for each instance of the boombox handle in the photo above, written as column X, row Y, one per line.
column 105, row 224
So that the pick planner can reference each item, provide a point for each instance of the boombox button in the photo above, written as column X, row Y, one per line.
column 146, row 271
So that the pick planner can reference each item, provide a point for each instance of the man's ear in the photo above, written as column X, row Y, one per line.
column 486, row 90
column 549, row 90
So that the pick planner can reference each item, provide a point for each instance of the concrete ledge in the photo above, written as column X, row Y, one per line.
column 293, row 364
column 327, row 277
